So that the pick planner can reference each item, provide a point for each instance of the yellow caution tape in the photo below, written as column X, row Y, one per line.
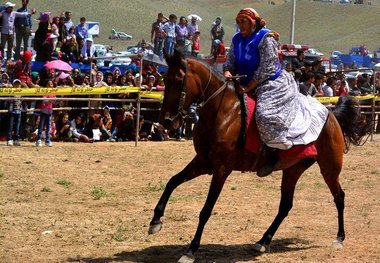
column 159, row 95
column 40, row 91
column 335, row 99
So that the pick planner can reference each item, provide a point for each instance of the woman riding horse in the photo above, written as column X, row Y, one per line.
column 218, row 151
column 284, row 116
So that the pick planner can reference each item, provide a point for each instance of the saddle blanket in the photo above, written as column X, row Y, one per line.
column 253, row 142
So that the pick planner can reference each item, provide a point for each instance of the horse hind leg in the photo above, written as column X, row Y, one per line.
column 331, row 177
column 194, row 169
column 289, row 180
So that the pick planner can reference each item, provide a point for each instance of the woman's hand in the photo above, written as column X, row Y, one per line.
column 227, row 74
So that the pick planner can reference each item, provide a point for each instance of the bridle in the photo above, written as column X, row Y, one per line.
column 203, row 101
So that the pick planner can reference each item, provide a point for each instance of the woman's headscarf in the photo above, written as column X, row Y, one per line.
column 252, row 15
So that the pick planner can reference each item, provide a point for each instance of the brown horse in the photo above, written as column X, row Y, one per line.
column 218, row 151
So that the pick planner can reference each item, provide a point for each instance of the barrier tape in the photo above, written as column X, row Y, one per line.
column 41, row 91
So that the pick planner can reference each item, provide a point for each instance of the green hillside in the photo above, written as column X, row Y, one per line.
column 321, row 25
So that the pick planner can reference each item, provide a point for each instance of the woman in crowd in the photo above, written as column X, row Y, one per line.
column 63, row 127
column 77, row 127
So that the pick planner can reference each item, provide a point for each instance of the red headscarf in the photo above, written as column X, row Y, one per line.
column 252, row 15
column 27, row 56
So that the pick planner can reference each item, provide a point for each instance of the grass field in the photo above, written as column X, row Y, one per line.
column 321, row 25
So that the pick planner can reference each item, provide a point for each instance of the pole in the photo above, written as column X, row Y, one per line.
column 138, row 103
column 293, row 22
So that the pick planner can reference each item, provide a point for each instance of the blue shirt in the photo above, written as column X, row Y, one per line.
column 23, row 21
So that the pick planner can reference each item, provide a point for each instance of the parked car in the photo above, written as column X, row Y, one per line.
column 314, row 51
column 119, row 35
column 335, row 54
column 101, row 50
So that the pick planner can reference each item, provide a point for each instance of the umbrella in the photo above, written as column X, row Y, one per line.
column 155, row 59
column 196, row 16
column 58, row 65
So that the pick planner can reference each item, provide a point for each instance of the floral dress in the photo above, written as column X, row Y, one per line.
column 284, row 116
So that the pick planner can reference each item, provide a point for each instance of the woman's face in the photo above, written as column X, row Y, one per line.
column 98, row 77
column 65, row 118
column 109, row 78
column 50, row 84
column 245, row 26
column 78, row 120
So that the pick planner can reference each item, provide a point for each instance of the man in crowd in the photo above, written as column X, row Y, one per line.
column 217, row 31
column 68, row 22
column 23, row 26
column 156, row 35
column 81, row 32
column 7, row 29
column 168, row 31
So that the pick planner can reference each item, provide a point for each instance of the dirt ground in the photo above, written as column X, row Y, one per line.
column 93, row 203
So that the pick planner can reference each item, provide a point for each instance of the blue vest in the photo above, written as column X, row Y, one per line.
column 247, row 56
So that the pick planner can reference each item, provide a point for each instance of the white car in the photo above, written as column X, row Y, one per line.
column 314, row 51
column 335, row 54
column 101, row 50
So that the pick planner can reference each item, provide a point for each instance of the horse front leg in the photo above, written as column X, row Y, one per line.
column 289, row 180
column 194, row 169
column 216, row 187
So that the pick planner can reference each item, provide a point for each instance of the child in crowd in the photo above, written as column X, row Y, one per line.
column 46, row 111
column 14, row 113
column 196, row 45
column 107, row 125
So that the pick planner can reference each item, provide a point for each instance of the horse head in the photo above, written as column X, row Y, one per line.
column 172, row 110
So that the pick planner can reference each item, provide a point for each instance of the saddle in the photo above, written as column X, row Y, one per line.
column 250, row 137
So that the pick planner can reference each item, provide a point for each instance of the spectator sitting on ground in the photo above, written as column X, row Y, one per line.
column 92, row 128
column 63, row 126
column 106, row 129
column 77, row 126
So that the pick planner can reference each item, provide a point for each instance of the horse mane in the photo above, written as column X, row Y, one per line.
column 219, row 75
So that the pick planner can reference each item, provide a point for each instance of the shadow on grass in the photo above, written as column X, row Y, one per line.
column 207, row 253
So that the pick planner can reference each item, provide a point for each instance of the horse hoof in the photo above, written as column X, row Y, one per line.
column 153, row 229
column 259, row 248
column 186, row 259
column 337, row 244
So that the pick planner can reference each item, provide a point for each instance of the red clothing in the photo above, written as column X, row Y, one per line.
column 196, row 46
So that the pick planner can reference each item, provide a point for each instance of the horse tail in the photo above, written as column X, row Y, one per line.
column 354, row 126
